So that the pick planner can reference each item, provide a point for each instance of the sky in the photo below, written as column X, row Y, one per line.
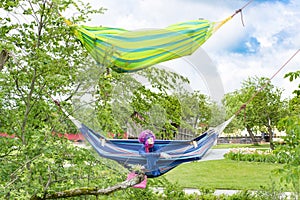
column 269, row 37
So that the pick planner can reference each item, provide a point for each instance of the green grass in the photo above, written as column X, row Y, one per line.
column 223, row 174
column 227, row 146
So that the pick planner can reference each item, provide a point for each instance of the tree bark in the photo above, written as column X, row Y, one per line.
column 251, row 135
column 93, row 191
column 271, row 136
column 4, row 55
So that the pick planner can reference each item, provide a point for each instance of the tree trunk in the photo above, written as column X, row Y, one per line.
column 4, row 55
column 93, row 191
column 251, row 135
column 271, row 136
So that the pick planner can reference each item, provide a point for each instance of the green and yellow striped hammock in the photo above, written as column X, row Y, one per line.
column 129, row 51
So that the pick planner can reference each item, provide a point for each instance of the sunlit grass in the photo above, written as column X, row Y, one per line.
column 226, row 146
column 224, row 174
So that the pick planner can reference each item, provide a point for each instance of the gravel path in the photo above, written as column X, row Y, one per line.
column 215, row 154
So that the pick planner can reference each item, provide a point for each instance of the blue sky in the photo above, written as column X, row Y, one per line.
column 271, row 34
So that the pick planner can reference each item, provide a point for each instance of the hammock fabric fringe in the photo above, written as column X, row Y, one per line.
column 126, row 151
column 129, row 51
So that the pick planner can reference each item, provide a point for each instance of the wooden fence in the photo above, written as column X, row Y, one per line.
column 184, row 134
column 238, row 140
column 181, row 134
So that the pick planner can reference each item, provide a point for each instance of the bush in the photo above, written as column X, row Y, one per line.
column 253, row 155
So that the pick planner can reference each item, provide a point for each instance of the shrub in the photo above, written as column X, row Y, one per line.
column 252, row 155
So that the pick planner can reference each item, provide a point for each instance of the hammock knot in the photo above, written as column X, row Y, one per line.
column 243, row 106
column 237, row 11
column 56, row 102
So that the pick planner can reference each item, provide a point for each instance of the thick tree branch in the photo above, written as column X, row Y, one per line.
column 93, row 191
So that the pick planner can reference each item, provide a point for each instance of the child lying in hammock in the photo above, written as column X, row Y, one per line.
column 151, row 152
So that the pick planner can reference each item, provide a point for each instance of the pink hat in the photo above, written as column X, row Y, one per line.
column 145, row 135
column 143, row 138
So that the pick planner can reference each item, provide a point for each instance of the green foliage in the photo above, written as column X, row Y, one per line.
column 196, row 111
column 290, row 152
column 45, row 61
column 120, row 96
column 174, row 191
column 274, row 191
column 253, row 156
column 50, row 163
column 292, row 76
column 263, row 107
column 153, row 99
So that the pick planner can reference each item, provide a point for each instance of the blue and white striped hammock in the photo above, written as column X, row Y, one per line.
column 126, row 151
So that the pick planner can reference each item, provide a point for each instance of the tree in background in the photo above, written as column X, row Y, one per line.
column 154, row 94
column 196, row 111
column 262, row 112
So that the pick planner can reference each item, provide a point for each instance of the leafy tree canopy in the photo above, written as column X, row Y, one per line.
column 263, row 106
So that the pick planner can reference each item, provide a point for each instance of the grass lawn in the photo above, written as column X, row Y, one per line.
column 223, row 174
column 227, row 146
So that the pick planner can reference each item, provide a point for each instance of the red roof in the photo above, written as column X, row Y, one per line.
column 7, row 135
column 69, row 136
column 74, row 137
